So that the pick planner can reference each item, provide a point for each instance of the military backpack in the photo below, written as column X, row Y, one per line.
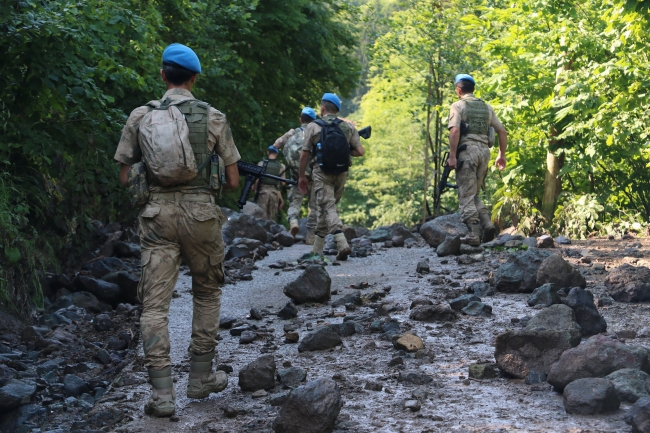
column 333, row 149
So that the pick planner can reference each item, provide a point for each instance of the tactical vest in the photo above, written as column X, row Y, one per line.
column 292, row 152
column 274, row 167
column 478, row 116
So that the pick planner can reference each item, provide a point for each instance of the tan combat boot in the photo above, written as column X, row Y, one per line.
column 163, row 398
column 309, row 239
column 473, row 238
column 319, row 244
column 294, row 226
column 342, row 246
column 202, row 380
column 489, row 230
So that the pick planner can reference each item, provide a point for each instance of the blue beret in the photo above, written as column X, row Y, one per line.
column 273, row 149
column 331, row 97
column 309, row 112
column 464, row 77
column 179, row 54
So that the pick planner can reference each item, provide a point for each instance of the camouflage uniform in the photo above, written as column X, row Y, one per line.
column 179, row 221
column 269, row 196
column 291, row 145
column 475, row 160
column 328, row 188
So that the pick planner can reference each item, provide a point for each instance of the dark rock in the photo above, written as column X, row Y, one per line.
column 373, row 386
column 597, row 357
column 116, row 344
column 6, row 374
column 278, row 399
column 285, row 239
column 226, row 322
column 391, row 328
column 61, row 302
column 545, row 295
column 312, row 408
column 481, row 371
column 291, row 377
column 238, row 251
column 414, row 378
column 475, row 308
column 554, row 269
column 630, row 383
column 379, row 235
column 462, row 301
column 639, row 416
column 291, row 337
column 321, row 338
column 398, row 360
column 480, row 288
column 562, row 240
column 87, row 301
column 350, row 233
column 545, row 241
column 534, row 377
column 102, row 323
column 106, row 418
column 103, row 290
column 255, row 314
column 240, row 226
column 128, row 284
column 51, row 320
column 423, row 267
column 398, row 241
column 519, row 273
column 247, row 337
column 449, row 247
column 312, row 286
column 15, row 393
column 239, row 330
column 103, row 357
column 539, row 345
column 74, row 386
column 288, row 312
column 436, row 231
column 629, row 283
column 587, row 315
column 344, row 329
column 420, row 301
column 590, row 396
column 433, row 313
column 259, row 374
column 126, row 249
column 352, row 298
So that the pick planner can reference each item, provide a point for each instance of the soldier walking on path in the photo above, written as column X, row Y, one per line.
column 291, row 145
column 328, row 144
column 269, row 191
column 470, row 120
column 189, row 154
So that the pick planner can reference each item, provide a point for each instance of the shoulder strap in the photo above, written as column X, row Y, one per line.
column 320, row 122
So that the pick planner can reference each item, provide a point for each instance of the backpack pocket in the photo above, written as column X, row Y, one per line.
column 138, row 185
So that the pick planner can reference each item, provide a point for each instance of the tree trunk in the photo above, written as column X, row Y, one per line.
column 552, row 185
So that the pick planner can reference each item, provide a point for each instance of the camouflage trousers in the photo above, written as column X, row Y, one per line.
column 172, row 226
column 470, row 179
column 328, row 190
column 269, row 200
column 295, row 197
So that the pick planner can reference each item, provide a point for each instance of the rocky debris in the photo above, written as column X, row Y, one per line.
column 379, row 235
column 630, row 383
column 554, row 269
column 639, row 416
column 590, row 396
column 74, row 386
column 259, row 374
column 253, row 210
column 476, row 308
column 345, row 329
column 433, row 313
column 462, row 301
column 15, row 393
column 545, row 241
column 481, row 371
column 540, row 344
column 436, row 231
column 423, row 267
column 373, row 386
column 409, row 343
column 128, row 284
column 126, row 249
column 545, row 295
column 587, row 315
column 412, row 405
column 288, row 312
column 628, row 283
column 247, row 337
column 103, row 322
column 397, row 241
column 285, row 239
column 291, row 377
column 449, row 247
column 352, row 298
column 599, row 356
column 243, row 226
column 103, row 290
column 420, row 301
column 312, row 408
column 562, row 240
column 312, row 286
column 519, row 273
column 414, row 378
column 480, row 288
column 321, row 338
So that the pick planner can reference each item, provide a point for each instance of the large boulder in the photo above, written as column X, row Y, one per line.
column 243, row 226
column 379, row 235
column 312, row 408
column 285, row 238
column 87, row 301
column 545, row 295
column 16, row 393
column 128, row 284
column 259, row 374
column 599, row 356
column 629, row 283
column 630, row 383
column 449, row 247
column 519, row 273
column 539, row 345
column 639, row 416
column 105, row 291
column 436, row 231
column 321, row 338
column 312, row 286
column 590, row 396
column 253, row 210
column 587, row 315
column 555, row 270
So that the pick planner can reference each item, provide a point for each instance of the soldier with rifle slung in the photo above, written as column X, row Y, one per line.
column 268, row 193
column 470, row 120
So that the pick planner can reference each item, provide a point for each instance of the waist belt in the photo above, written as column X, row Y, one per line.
column 182, row 196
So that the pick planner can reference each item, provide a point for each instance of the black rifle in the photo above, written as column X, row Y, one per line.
column 444, row 184
column 252, row 172
column 365, row 132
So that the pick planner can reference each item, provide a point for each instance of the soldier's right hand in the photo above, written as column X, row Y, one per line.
column 451, row 162
column 303, row 184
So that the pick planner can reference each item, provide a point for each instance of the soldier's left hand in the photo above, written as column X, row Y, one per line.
column 500, row 162
column 303, row 184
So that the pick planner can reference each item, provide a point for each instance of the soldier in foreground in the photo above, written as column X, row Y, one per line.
column 291, row 145
column 328, row 144
column 470, row 120
column 184, row 150
column 269, row 191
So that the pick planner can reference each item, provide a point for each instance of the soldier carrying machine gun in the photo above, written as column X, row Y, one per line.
column 252, row 172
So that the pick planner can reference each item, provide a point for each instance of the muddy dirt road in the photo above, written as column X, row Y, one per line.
column 453, row 402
